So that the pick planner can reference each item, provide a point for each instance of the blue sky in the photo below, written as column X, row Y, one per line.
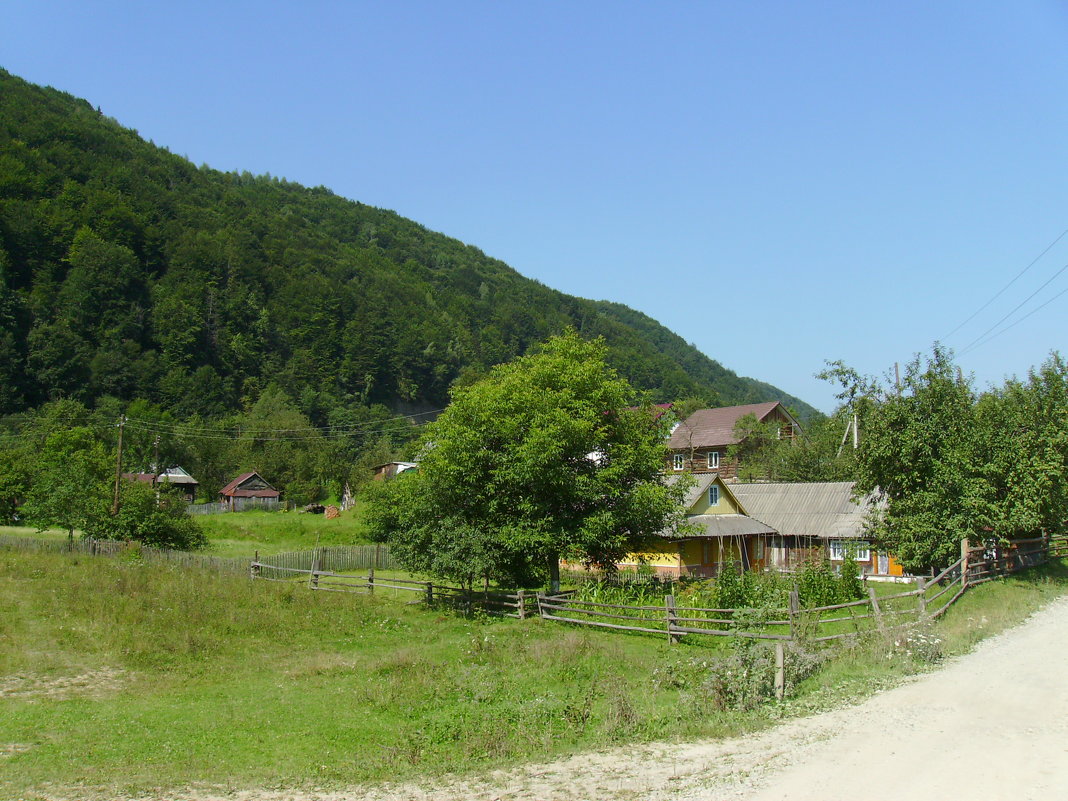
column 778, row 182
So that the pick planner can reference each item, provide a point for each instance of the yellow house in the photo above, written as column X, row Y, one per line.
column 718, row 531
column 765, row 526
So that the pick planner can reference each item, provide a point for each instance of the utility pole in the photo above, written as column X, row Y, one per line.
column 155, row 461
column 118, row 468
column 897, row 377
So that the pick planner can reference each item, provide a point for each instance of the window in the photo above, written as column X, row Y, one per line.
column 758, row 548
column 713, row 495
column 839, row 548
column 678, row 461
column 713, row 460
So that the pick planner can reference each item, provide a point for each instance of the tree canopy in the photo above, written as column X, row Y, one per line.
column 548, row 457
column 951, row 463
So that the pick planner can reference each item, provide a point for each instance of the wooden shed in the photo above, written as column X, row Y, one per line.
column 249, row 491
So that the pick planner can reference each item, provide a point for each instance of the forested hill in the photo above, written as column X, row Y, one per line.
column 127, row 271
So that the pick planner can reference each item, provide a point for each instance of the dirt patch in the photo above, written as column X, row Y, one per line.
column 36, row 686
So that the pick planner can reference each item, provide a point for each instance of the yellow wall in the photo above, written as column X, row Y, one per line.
column 726, row 506
column 663, row 554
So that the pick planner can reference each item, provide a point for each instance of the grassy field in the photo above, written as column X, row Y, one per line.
column 118, row 678
column 245, row 533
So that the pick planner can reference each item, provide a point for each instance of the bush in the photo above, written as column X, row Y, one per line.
column 158, row 521
column 817, row 585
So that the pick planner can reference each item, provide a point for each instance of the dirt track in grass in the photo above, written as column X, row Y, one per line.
column 989, row 725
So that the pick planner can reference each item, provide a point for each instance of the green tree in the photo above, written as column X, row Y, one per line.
column 917, row 454
column 544, row 459
column 1020, row 451
column 152, row 516
column 69, row 485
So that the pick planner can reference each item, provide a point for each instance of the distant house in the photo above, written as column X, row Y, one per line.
column 388, row 470
column 766, row 526
column 699, row 443
column 174, row 476
column 249, row 491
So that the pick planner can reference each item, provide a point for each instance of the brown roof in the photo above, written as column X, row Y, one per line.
column 707, row 428
column 232, row 490
column 145, row 478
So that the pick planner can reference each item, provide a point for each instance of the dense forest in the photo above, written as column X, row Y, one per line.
column 127, row 272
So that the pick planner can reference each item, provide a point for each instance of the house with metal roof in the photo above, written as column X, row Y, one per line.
column 699, row 443
column 173, row 476
column 765, row 527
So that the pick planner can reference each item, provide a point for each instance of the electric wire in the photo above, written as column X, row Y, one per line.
column 971, row 345
column 1002, row 290
column 1017, row 322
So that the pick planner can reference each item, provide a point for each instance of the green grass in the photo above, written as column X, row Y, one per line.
column 244, row 533
column 193, row 677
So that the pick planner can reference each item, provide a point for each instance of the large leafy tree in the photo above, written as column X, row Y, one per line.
column 916, row 453
column 546, row 458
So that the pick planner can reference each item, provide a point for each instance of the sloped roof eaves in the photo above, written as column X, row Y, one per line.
column 253, row 493
column 232, row 487
column 697, row 490
column 707, row 428
column 817, row 509
column 725, row 526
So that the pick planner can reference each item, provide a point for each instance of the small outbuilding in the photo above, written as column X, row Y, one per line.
column 173, row 476
column 249, row 491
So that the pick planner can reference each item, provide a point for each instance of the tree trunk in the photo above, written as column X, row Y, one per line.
column 554, row 574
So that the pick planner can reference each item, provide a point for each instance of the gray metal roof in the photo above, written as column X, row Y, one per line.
column 697, row 490
column 726, row 526
column 814, row 509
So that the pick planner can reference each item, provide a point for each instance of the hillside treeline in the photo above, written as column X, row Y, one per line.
column 129, row 274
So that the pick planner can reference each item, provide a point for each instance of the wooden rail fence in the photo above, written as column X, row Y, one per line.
column 928, row 599
column 90, row 546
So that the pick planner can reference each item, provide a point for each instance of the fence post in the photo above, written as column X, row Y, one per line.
column 521, row 604
column 795, row 605
column 876, row 610
column 313, row 578
column 964, row 564
column 429, row 593
column 921, row 588
column 669, row 611
column 370, row 581
column 780, row 670
column 538, row 599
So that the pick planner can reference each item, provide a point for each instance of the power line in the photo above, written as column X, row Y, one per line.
column 1013, row 325
column 1002, row 290
column 970, row 345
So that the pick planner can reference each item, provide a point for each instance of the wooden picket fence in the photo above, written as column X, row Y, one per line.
column 89, row 546
column 338, row 558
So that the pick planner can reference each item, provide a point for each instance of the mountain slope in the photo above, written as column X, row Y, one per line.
column 127, row 271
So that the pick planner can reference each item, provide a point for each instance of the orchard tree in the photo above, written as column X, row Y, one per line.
column 917, row 454
column 69, row 483
column 547, row 458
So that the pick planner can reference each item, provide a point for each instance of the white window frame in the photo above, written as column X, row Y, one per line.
column 713, row 495
column 678, row 461
column 713, row 460
column 838, row 550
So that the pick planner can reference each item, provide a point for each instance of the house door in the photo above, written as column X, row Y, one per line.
column 884, row 564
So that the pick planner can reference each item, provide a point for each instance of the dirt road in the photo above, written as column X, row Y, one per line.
column 990, row 725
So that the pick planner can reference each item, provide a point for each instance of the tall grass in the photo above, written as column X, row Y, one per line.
column 186, row 676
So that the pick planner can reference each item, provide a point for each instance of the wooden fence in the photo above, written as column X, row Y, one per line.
column 928, row 599
column 519, row 603
column 338, row 559
column 89, row 546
